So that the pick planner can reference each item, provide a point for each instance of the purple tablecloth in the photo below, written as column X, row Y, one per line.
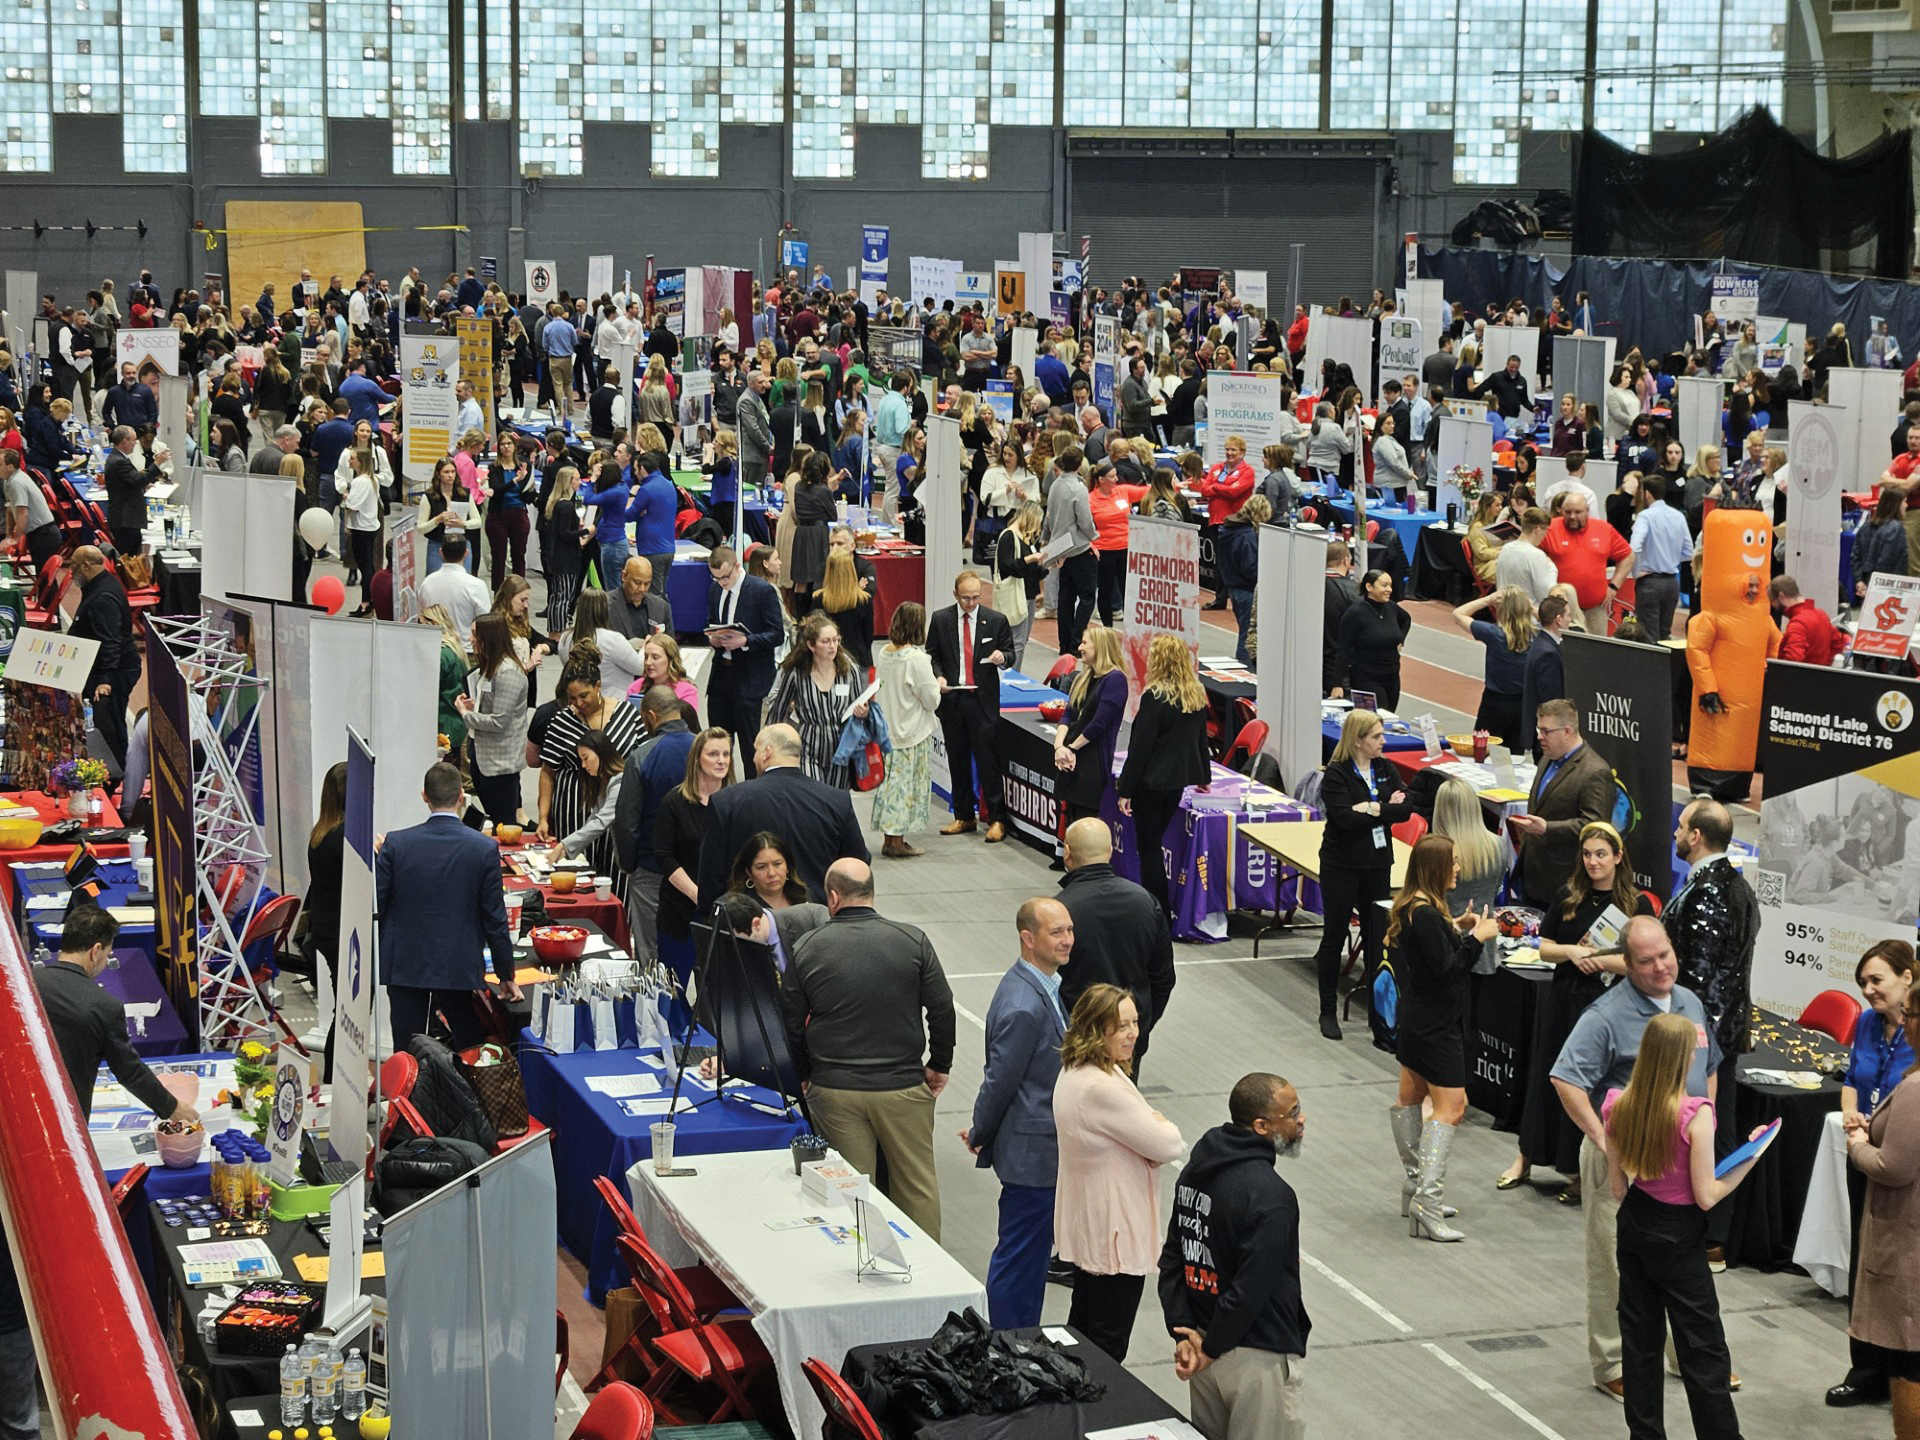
column 1210, row 868
column 133, row 981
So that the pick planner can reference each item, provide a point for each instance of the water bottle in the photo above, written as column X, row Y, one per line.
column 293, row 1388
column 326, row 1384
column 353, row 1386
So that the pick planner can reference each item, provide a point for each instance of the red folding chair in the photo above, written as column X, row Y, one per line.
column 1480, row 587
column 618, row 1412
column 1411, row 830
column 1061, row 668
column 1832, row 1012
column 562, row 1348
column 723, row 1356
column 847, row 1415
column 126, row 1191
column 1251, row 740
column 711, row 1297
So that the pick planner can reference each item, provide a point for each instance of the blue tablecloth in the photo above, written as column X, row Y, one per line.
column 1399, row 736
column 1023, row 692
column 118, row 885
column 592, row 1136
column 134, row 981
column 1407, row 527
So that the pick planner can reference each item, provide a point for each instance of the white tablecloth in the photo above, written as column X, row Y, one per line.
column 799, row 1284
column 1826, row 1227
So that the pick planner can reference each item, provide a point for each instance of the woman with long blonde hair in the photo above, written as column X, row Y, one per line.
column 1660, row 1170
column 1166, row 753
column 1432, row 953
column 655, row 406
column 1506, row 638
column 844, row 602
column 1084, row 744
column 564, row 556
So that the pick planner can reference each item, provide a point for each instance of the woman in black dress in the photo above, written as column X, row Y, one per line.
column 1367, row 653
column 326, row 854
column 1363, row 799
column 1582, row 970
column 1083, row 745
column 679, row 830
column 814, row 512
column 1433, row 953
column 1166, row 753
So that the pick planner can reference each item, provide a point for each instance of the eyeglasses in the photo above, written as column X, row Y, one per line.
column 1545, row 730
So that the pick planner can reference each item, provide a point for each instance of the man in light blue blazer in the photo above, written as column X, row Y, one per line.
column 1013, row 1113
column 437, row 885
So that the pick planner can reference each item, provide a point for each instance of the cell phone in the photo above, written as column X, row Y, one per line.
column 677, row 1170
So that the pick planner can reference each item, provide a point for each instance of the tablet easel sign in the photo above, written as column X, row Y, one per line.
column 45, row 657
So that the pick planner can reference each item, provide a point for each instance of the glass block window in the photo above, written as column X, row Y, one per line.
column 1159, row 62
column 229, row 57
column 1486, row 107
column 1358, row 85
column 1094, row 86
column 1022, row 91
column 552, row 104
column 753, row 44
column 86, row 57
column 1556, row 36
column 500, row 65
column 953, row 132
column 1229, row 54
column 1423, row 63
column 1289, row 96
column 1622, row 91
column 26, row 139
column 359, row 76
column 154, row 98
column 618, row 87
column 825, row 89
column 293, row 126
column 1687, row 41
column 472, row 48
column 1753, row 43
column 686, row 92
column 422, row 105
column 887, row 86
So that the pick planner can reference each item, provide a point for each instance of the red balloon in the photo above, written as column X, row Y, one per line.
column 329, row 594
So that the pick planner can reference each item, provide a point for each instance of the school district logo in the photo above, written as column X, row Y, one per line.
column 1894, row 711
column 1817, row 456
column 542, row 279
column 288, row 1093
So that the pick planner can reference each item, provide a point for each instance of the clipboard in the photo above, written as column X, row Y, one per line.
column 860, row 699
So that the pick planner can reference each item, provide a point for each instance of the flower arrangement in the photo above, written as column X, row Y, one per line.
column 76, row 777
column 1472, row 481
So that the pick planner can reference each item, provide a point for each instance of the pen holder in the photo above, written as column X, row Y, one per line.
column 806, row 1149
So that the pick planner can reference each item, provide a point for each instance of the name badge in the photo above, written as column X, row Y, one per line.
column 840, row 687
column 1699, row 1037
column 1379, row 838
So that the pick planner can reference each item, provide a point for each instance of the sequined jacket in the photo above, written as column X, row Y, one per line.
column 1713, row 923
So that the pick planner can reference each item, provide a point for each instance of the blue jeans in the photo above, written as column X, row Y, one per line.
column 435, row 560
column 1242, row 612
column 19, row 1400
column 613, row 559
column 1017, row 1273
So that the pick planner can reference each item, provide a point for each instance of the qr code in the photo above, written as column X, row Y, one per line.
column 1772, row 888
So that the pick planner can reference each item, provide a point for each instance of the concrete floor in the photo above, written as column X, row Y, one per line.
column 1485, row 1338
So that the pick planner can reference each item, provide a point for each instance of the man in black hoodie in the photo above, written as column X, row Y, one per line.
column 1230, row 1270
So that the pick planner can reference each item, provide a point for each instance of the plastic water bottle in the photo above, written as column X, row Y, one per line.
column 293, row 1388
column 353, row 1386
column 326, row 1384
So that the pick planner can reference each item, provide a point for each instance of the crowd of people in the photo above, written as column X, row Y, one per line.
column 718, row 785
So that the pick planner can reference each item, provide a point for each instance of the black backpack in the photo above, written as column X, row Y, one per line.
column 414, row 1169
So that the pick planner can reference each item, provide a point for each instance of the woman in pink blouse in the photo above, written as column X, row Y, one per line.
column 1105, row 1211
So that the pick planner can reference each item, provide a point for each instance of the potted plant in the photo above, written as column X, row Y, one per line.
column 76, row 779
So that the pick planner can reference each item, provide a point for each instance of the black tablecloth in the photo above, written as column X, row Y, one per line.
column 1768, row 1205
column 234, row 1375
column 1505, row 1014
column 179, row 587
column 1128, row 1400
column 1440, row 570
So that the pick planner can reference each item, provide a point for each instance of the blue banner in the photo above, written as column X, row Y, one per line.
column 873, row 257
column 793, row 256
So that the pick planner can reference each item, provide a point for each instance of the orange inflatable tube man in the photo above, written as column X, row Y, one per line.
column 1729, row 643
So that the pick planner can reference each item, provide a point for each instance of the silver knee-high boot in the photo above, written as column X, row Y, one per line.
column 1405, row 1120
column 1429, row 1215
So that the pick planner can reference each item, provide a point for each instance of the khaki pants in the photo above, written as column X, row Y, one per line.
column 1602, row 1214
column 1250, row 1394
column 861, row 1124
column 1595, row 617
column 560, row 368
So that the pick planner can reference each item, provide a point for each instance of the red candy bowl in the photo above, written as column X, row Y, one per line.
column 558, row 944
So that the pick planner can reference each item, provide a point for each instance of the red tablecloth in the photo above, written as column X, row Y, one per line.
column 896, row 578
column 52, row 810
column 609, row 914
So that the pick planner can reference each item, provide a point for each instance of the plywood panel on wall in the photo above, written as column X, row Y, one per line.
column 275, row 239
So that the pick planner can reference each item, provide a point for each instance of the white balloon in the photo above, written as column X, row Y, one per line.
column 316, row 527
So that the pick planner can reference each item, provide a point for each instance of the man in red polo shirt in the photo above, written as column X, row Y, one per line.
column 1806, row 632
column 1581, row 548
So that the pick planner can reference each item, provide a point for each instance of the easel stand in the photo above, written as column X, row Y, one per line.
column 865, row 1262
column 727, row 984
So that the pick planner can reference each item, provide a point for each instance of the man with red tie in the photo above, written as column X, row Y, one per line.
column 968, row 643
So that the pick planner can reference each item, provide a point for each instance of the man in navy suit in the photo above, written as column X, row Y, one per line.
column 968, row 643
column 438, row 888
column 1013, row 1112
column 815, row 819
column 743, row 665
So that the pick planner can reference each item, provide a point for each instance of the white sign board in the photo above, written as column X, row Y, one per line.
column 1697, row 399
column 1872, row 402
column 973, row 287
column 1504, row 340
column 22, row 300
column 353, row 1044
column 1887, row 616
column 599, row 277
column 1822, row 450
column 1162, row 594
column 288, row 1115
column 1251, row 287
column 1246, row 404
column 543, row 281
column 139, row 346
column 1400, row 353
column 1426, row 302
column 932, row 277
column 1346, row 342
column 429, row 365
column 46, row 657
column 1735, row 297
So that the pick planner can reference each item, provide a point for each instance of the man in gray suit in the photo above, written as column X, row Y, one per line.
column 89, row 1025
column 1013, row 1113
column 754, row 428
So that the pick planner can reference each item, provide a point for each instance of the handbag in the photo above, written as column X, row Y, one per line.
column 876, row 768
column 1010, row 598
column 495, row 1077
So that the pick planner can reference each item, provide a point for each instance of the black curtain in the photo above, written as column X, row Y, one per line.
column 1753, row 192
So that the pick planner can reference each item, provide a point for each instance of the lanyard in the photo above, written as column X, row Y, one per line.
column 1366, row 777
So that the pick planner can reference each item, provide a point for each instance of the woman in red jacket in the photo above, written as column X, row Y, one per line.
column 1225, row 488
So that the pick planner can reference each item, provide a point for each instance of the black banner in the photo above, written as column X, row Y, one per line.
column 169, row 731
column 1623, row 692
